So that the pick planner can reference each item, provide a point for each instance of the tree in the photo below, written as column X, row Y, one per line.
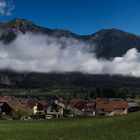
column 21, row 111
column 99, row 92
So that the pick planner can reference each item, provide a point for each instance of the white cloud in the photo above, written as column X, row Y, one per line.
column 2, row 7
column 42, row 53
column 6, row 7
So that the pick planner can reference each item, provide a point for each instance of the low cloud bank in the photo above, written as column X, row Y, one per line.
column 40, row 53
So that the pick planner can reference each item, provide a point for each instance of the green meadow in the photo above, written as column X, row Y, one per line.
column 96, row 128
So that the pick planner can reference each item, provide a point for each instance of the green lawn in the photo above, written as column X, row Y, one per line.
column 111, row 128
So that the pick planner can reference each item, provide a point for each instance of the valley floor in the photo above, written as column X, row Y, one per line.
column 101, row 128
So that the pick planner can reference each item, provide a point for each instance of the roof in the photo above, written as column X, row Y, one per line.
column 91, row 103
column 56, row 102
column 111, row 105
column 75, row 101
column 22, row 100
column 27, row 102
column 59, row 103
column 115, row 99
column 133, row 104
column 10, row 100
column 13, row 101
column 129, row 100
column 31, row 102
column 80, row 105
column 44, row 103
column 65, row 102
column 6, row 98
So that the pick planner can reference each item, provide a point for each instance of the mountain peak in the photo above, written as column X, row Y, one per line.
column 15, row 21
column 20, row 25
column 113, row 31
column 18, row 20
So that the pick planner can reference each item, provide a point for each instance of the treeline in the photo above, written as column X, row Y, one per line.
column 69, row 85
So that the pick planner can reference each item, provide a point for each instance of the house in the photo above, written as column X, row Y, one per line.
column 81, row 107
column 77, row 106
column 42, row 106
column 7, row 104
column 110, row 108
column 90, row 108
column 5, row 109
column 56, row 108
column 132, row 105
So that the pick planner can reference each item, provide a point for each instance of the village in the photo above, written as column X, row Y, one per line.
column 27, row 109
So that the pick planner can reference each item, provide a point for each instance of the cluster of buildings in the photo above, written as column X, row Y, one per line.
column 73, row 107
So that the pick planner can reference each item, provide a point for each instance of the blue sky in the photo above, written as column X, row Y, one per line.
column 80, row 16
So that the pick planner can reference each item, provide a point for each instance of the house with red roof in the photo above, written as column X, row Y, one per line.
column 76, row 107
column 81, row 107
column 111, row 108
column 7, row 104
column 107, row 107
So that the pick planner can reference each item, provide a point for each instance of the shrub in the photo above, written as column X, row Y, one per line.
column 21, row 111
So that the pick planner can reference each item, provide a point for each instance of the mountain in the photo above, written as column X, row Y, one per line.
column 113, row 42
column 13, row 27
column 109, row 42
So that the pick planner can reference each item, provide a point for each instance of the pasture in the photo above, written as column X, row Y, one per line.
column 96, row 128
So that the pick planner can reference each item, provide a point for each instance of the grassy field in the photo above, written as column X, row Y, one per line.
column 111, row 128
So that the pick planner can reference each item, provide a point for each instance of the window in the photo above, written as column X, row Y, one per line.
column 51, row 110
column 54, row 108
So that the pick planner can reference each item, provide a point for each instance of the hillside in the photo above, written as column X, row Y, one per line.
column 68, row 85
